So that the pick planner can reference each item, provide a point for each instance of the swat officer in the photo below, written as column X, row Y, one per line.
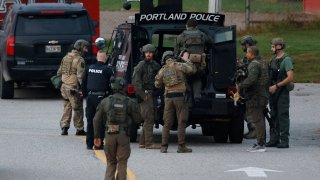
column 116, row 113
column 255, row 86
column 173, row 77
column 281, row 77
column 242, row 72
column 97, row 86
column 143, row 82
column 194, row 42
column 72, row 70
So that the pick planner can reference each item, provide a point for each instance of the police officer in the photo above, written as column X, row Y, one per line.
column 143, row 82
column 72, row 69
column 172, row 76
column 281, row 75
column 194, row 42
column 116, row 113
column 97, row 86
column 242, row 72
column 257, row 96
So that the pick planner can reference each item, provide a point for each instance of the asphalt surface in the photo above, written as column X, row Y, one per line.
column 31, row 146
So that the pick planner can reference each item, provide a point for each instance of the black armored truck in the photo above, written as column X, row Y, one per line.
column 216, row 112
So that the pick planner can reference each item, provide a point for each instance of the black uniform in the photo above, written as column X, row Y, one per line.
column 96, row 86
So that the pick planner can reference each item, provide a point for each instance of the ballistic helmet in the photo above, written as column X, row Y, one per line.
column 117, row 84
column 248, row 40
column 100, row 43
column 79, row 44
column 148, row 48
column 192, row 22
column 278, row 41
column 164, row 56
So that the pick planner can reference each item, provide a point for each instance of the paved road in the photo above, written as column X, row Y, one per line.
column 31, row 146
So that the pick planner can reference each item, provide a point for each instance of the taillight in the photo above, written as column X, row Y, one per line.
column 94, row 47
column 10, row 46
column 231, row 90
column 130, row 89
column 52, row 12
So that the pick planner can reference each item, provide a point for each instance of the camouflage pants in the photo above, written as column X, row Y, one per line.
column 117, row 150
column 72, row 101
column 148, row 110
column 175, row 107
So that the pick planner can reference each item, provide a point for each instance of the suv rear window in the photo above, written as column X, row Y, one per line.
column 28, row 25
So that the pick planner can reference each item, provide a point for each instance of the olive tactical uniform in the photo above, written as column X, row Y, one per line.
column 72, row 69
column 280, row 100
column 143, row 82
column 242, row 73
column 115, row 114
column 255, row 86
column 173, row 77
column 194, row 41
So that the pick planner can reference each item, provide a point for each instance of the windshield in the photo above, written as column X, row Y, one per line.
column 52, row 25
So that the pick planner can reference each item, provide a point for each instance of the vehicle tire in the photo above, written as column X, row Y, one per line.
column 133, row 132
column 220, row 133
column 6, row 88
column 207, row 129
column 236, row 127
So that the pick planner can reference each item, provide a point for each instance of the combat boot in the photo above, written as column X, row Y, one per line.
column 182, row 148
column 64, row 131
column 164, row 149
column 153, row 146
column 80, row 133
column 272, row 143
column 283, row 145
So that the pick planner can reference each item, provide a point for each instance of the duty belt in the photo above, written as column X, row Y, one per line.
column 98, row 93
column 172, row 95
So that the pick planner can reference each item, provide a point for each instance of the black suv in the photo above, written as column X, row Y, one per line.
column 35, row 37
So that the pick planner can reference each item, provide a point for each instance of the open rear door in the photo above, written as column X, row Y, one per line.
column 223, row 64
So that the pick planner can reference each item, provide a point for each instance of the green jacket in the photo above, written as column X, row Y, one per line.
column 256, row 84
column 131, row 112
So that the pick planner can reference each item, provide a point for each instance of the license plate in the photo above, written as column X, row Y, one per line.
column 53, row 49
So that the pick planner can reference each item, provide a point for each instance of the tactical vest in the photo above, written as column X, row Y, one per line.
column 117, row 110
column 276, row 70
column 150, row 70
column 67, row 65
column 194, row 41
column 171, row 76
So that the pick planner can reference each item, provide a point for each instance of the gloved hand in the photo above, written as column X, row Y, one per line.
column 236, row 97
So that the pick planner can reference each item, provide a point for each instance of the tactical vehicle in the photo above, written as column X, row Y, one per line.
column 215, row 113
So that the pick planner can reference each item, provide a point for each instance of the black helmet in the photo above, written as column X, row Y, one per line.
column 164, row 56
column 278, row 41
column 100, row 43
column 117, row 84
column 148, row 48
column 79, row 44
column 248, row 40
column 192, row 22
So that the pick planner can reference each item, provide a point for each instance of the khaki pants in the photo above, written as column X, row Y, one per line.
column 174, row 107
column 72, row 101
column 148, row 110
column 256, row 116
column 117, row 150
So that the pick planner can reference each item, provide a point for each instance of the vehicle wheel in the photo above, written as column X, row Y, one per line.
column 133, row 132
column 207, row 129
column 220, row 132
column 236, row 127
column 6, row 88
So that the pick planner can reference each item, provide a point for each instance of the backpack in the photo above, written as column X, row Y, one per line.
column 117, row 110
column 194, row 42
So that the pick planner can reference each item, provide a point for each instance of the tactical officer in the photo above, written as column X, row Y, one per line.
column 143, row 82
column 72, row 69
column 281, row 77
column 194, row 42
column 172, row 76
column 242, row 72
column 255, row 86
column 115, row 113
column 97, row 86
